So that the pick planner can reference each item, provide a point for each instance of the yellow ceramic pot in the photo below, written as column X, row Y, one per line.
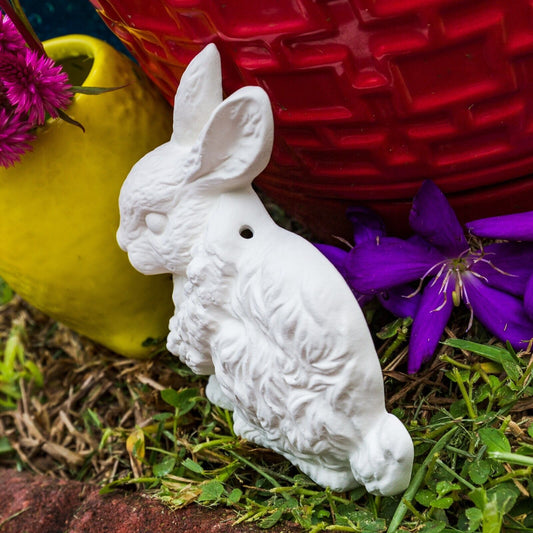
column 59, row 205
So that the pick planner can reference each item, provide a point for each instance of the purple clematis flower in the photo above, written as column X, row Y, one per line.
column 488, row 281
column 368, row 227
column 515, row 227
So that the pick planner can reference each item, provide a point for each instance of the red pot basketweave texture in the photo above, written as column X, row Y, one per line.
column 370, row 97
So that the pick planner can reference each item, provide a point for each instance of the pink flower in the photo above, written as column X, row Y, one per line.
column 10, row 39
column 15, row 137
column 35, row 85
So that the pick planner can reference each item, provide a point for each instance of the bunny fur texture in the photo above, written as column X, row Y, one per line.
column 258, row 308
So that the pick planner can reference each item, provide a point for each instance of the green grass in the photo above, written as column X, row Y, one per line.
column 473, row 457
column 15, row 368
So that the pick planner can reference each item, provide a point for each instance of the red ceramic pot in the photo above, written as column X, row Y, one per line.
column 370, row 97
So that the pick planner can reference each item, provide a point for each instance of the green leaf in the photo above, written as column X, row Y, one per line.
column 505, row 496
column 192, row 466
column 479, row 471
column 303, row 481
column 6, row 294
column 164, row 467
column 5, row 445
column 442, row 503
column 494, row 504
column 393, row 328
column 475, row 516
column 530, row 431
column 183, row 400
column 376, row 526
column 63, row 116
column 463, row 374
column 433, row 527
column 482, row 393
column 357, row 493
column 370, row 524
column 512, row 370
column 211, row 491
column 34, row 372
column 234, row 496
column 94, row 90
column 162, row 417
column 92, row 417
column 494, row 439
column 271, row 520
column 425, row 497
column 459, row 409
column 493, row 353
column 444, row 487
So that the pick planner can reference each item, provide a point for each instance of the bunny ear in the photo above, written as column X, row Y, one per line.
column 237, row 141
column 198, row 95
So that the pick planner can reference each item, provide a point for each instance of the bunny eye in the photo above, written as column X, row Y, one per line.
column 156, row 222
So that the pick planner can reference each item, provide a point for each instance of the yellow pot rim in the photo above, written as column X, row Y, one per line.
column 76, row 45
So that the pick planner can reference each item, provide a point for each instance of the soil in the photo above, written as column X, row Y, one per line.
column 41, row 504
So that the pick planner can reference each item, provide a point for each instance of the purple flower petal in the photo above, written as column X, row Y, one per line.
column 433, row 218
column 337, row 256
column 400, row 301
column 377, row 266
column 528, row 297
column 430, row 320
column 506, row 266
column 502, row 314
column 515, row 227
column 367, row 224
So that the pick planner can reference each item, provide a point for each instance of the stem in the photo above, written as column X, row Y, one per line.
column 458, row 451
column 522, row 473
column 268, row 477
column 513, row 458
column 460, row 383
column 453, row 362
column 392, row 348
column 439, row 431
column 415, row 512
column 249, row 515
column 318, row 528
column 505, row 423
column 527, row 372
column 308, row 492
column 451, row 471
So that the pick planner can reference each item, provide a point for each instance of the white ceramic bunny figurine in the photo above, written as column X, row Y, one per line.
column 258, row 308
